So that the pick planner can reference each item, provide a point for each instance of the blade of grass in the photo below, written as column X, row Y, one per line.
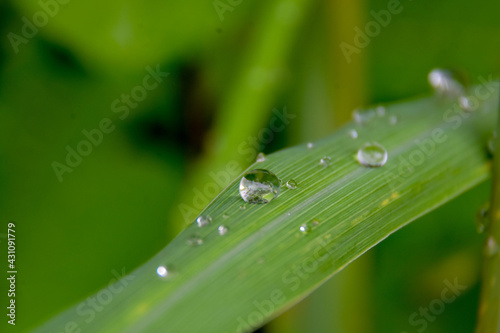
column 489, row 306
column 264, row 264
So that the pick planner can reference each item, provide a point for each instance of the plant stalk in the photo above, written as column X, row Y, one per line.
column 489, row 306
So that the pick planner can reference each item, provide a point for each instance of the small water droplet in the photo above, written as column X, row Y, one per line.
column 446, row 83
column 363, row 116
column 393, row 120
column 467, row 103
column 325, row 161
column 305, row 229
column 222, row 230
column 492, row 143
column 291, row 184
column 203, row 221
column 259, row 186
column 261, row 157
column 490, row 247
column 310, row 145
column 372, row 154
column 353, row 134
column 483, row 217
column 162, row 271
column 309, row 226
column 195, row 241
column 380, row 111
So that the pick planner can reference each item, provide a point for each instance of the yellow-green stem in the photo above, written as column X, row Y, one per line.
column 489, row 306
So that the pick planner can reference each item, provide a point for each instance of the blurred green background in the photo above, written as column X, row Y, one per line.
column 63, row 66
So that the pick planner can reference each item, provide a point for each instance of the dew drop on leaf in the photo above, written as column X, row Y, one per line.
column 372, row 155
column 491, row 143
column 483, row 217
column 222, row 230
column 310, row 145
column 259, row 186
column 195, row 241
column 309, row 226
column 446, row 83
column 353, row 134
column 203, row 221
column 490, row 247
column 380, row 111
column 162, row 271
column 291, row 184
column 260, row 157
column 325, row 161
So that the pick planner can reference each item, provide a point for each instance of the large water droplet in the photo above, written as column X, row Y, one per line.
column 353, row 134
column 195, row 240
column 259, row 186
column 222, row 230
column 446, row 82
column 325, row 161
column 491, row 247
column 372, row 155
column 483, row 217
column 260, row 157
column 309, row 226
column 291, row 184
column 203, row 221
column 162, row 271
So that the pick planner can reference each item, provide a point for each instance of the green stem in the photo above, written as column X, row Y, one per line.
column 489, row 306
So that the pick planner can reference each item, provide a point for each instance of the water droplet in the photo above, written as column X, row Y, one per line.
column 325, row 161
column 492, row 143
column 490, row 247
column 291, row 184
column 353, row 134
column 467, row 103
column 446, row 82
column 393, row 120
column 380, row 111
column 261, row 157
column 222, row 230
column 203, row 221
column 483, row 217
column 259, row 186
column 162, row 271
column 305, row 229
column 310, row 145
column 362, row 116
column 372, row 155
column 309, row 226
column 195, row 241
